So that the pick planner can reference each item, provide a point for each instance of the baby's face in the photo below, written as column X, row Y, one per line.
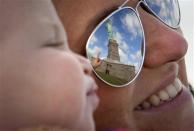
column 42, row 81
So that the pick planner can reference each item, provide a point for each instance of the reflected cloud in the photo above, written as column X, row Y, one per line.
column 132, row 24
column 168, row 10
column 93, row 40
column 94, row 52
column 123, row 57
column 137, row 56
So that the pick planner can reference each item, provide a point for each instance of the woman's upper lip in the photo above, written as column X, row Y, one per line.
column 167, row 80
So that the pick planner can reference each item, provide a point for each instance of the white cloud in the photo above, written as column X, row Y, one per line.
column 94, row 52
column 123, row 57
column 132, row 24
column 137, row 56
column 93, row 39
column 120, row 40
column 118, row 37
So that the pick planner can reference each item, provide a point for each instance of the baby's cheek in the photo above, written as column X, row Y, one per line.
column 60, row 91
column 70, row 91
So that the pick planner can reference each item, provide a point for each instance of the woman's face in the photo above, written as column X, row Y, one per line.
column 158, row 99
column 42, row 81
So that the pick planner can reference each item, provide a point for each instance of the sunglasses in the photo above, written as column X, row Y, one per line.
column 116, row 47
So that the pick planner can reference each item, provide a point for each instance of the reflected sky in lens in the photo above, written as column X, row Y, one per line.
column 167, row 10
column 127, row 32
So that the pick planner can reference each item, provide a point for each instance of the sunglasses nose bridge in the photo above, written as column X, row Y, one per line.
column 144, row 5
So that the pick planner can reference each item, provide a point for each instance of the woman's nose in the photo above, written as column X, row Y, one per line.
column 163, row 44
column 87, row 68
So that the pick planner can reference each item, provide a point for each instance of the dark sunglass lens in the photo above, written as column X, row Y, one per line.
column 166, row 10
column 116, row 48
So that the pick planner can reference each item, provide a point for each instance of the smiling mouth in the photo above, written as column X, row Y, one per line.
column 161, row 97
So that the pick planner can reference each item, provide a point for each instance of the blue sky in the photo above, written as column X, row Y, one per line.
column 127, row 32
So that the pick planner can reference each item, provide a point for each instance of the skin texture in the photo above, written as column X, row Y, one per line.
column 42, row 82
column 164, row 57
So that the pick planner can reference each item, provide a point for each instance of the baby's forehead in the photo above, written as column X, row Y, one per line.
column 21, row 19
column 17, row 13
column 25, row 8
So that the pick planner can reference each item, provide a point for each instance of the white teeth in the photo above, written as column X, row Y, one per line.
column 162, row 96
column 171, row 90
column 146, row 105
column 154, row 100
column 177, row 83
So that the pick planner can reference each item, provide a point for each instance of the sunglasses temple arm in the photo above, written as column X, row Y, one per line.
column 124, row 4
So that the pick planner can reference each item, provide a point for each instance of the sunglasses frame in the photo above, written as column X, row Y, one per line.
column 135, row 10
column 158, row 17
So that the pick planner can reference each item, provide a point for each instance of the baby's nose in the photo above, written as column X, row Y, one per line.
column 85, row 63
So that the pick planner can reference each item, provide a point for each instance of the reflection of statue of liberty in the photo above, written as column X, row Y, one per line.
column 109, row 29
column 113, row 51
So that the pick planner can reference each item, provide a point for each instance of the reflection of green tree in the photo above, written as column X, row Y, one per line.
column 111, row 79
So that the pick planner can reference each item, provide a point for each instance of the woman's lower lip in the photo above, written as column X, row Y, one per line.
column 171, row 105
